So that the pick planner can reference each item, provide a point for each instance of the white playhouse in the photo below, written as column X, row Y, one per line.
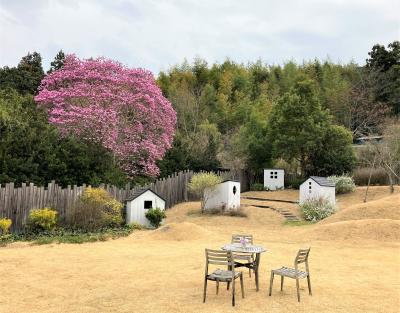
column 274, row 178
column 138, row 204
column 225, row 195
column 315, row 187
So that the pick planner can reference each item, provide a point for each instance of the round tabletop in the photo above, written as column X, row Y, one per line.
column 238, row 247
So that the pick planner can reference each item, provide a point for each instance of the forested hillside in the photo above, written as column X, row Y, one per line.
column 252, row 115
column 239, row 116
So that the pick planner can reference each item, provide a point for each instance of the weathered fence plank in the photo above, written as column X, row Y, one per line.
column 16, row 203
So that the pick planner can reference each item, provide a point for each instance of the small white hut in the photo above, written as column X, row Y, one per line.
column 315, row 187
column 274, row 178
column 139, row 203
column 225, row 195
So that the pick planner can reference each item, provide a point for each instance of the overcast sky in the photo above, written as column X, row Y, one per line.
column 157, row 34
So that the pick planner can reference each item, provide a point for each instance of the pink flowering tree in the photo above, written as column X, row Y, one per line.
column 120, row 108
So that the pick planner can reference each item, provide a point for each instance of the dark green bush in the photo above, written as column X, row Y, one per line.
column 294, row 183
column 257, row 187
column 60, row 235
column 155, row 216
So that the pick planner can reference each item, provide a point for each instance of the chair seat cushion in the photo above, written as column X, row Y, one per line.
column 222, row 275
column 290, row 272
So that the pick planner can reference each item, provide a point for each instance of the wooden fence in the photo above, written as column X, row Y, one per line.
column 16, row 203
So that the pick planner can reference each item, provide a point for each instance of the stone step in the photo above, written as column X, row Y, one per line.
column 267, row 199
column 286, row 214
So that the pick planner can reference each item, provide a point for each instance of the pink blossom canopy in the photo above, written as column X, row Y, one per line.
column 120, row 108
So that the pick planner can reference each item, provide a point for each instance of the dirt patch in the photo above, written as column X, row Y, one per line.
column 179, row 232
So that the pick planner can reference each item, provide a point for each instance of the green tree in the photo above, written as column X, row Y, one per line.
column 252, row 144
column 384, row 65
column 26, row 77
column 382, row 58
column 297, row 123
column 336, row 154
column 57, row 63
column 31, row 150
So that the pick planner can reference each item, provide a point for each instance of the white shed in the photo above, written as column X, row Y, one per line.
column 274, row 178
column 315, row 187
column 138, row 204
column 224, row 195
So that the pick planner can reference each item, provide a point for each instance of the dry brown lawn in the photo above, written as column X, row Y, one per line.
column 354, row 261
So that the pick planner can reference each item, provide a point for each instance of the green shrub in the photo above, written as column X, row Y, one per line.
column 257, row 187
column 155, row 216
column 61, row 235
column 294, row 183
column 343, row 184
column 5, row 224
column 95, row 209
column 136, row 226
column 316, row 209
column 42, row 220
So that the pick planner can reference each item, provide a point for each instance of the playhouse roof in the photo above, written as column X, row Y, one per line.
column 141, row 191
column 232, row 180
column 323, row 181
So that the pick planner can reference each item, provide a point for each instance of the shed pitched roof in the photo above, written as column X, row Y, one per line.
column 273, row 169
column 323, row 181
column 232, row 180
column 141, row 191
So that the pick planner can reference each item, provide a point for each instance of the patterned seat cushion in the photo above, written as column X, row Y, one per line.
column 290, row 272
column 222, row 275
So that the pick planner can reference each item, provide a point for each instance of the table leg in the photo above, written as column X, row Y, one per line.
column 256, row 265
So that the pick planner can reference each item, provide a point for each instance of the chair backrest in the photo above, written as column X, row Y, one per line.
column 219, row 257
column 237, row 238
column 302, row 257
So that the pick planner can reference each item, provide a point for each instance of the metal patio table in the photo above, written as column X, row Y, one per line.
column 248, row 248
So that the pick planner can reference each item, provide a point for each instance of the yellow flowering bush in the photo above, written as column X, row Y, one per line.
column 96, row 209
column 5, row 224
column 42, row 219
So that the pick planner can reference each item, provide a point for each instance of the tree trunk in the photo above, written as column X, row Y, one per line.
column 203, row 203
column 391, row 182
column 369, row 179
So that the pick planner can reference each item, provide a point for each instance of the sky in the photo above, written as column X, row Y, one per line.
column 159, row 34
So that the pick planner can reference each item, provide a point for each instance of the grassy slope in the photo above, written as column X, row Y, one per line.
column 161, row 271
